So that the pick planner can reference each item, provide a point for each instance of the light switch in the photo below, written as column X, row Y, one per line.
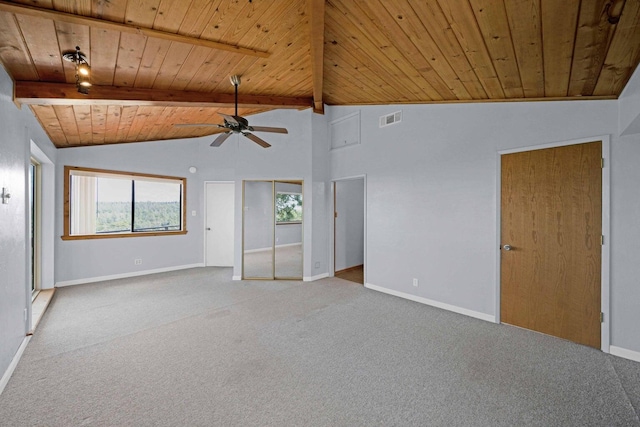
column 5, row 195
column 193, row 213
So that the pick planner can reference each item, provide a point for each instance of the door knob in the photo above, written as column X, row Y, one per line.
column 506, row 247
column 208, row 228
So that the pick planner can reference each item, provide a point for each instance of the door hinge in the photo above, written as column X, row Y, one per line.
column 601, row 317
column 601, row 240
column 602, row 162
column 335, row 214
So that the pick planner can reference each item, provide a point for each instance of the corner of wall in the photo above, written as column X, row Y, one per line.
column 629, row 106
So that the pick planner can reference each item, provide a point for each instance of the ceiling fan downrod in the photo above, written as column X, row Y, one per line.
column 235, row 81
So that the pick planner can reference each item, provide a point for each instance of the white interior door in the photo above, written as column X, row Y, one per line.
column 220, row 198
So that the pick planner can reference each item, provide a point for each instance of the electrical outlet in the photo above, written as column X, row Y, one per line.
column 317, row 265
column 137, row 261
column 415, row 282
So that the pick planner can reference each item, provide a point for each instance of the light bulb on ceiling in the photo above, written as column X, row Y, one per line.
column 83, row 70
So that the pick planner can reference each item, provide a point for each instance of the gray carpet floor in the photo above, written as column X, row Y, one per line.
column 193, row 348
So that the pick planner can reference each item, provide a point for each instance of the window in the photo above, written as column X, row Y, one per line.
column 103, row 204
column 288, row 207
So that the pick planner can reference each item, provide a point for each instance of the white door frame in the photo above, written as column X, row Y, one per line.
column 35, row 219
column 332, row 227
column 605, row 291
column 204, row 219
column 47, row 217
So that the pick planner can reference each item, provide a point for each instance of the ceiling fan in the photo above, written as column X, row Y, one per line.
column 237, row 124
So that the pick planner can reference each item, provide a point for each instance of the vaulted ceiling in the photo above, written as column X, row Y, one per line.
column 157, row 63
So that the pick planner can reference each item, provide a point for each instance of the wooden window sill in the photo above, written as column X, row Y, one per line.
column 116, row 236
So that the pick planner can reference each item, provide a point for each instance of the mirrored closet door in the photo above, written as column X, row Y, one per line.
column 272, row 229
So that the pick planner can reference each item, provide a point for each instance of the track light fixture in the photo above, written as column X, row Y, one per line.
column 83, row 70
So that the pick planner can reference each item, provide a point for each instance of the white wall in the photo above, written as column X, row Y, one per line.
column 349, row 239
column 319, row 201
column 237, row 159
column 17, row 129
column 432, row 197
column 625, row 228
column 625, row 196
column 77, row 260
column 629, row 106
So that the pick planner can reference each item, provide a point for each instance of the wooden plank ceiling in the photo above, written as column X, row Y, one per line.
column 156, row 63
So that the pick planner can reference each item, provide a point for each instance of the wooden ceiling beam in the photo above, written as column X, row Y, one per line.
column 316, row 12
column 42, row 93
column 54, row 15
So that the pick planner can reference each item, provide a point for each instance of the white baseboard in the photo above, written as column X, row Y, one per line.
column 316, row 277
column 623, row 352
column 125, row 275
column 12, row 366
column 236, row 278
column 449, row 307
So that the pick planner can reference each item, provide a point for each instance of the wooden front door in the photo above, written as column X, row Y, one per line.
column 551, row 216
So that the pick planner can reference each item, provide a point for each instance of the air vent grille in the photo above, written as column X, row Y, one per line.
column 390, row 119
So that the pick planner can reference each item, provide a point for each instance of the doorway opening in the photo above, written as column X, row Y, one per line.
column 349, row 229
column 39, row 286
column 272, row 225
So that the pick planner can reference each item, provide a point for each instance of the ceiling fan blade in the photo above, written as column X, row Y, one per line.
column 269, row 129
column 220, row 139
column 189, row 125
column 229, row 119
column 257, row 140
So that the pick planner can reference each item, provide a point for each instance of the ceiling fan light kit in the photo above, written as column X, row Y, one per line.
column 83, row 70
